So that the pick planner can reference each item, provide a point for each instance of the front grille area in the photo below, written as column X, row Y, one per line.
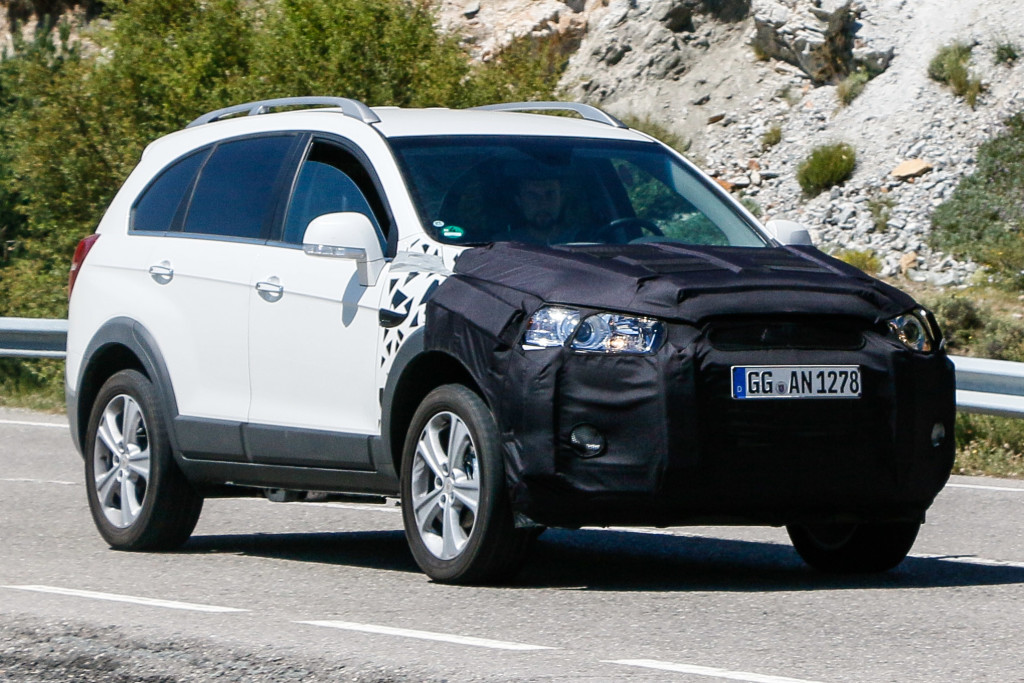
column 822, row 448
column 753, row 335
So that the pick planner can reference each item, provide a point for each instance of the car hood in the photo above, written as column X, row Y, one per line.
column 677, row 282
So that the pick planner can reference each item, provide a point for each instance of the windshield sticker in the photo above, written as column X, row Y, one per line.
column 453, row 232
column 438, row 224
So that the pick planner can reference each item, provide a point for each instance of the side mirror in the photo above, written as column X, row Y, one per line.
column 789, row 232
column 347, row 235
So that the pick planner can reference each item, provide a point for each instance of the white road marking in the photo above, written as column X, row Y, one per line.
column 427, row 635
column 22, row 423
column 984, row 488
column 969, row 559
column 41, row 481
column 705, row 671
column 149, row 602
column 371, row 507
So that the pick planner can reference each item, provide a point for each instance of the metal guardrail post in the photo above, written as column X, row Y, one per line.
column 33, row 338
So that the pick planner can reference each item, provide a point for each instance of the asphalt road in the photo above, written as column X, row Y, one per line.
column 309, row 592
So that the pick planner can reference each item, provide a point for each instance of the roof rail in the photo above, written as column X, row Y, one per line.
column 353, row 108
column 588, row 112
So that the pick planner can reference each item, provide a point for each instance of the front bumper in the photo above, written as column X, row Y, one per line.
column 681, row 450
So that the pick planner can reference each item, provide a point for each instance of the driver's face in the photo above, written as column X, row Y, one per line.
column 540, row 201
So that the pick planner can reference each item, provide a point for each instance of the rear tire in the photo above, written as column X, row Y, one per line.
column 138, row 497
column 854, row 548
column 455, row 506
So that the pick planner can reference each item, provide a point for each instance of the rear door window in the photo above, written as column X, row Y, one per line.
column 236, row 193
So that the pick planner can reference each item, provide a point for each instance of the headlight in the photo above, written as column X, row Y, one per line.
column 616, row 333
column 599, row 333
column 913, row 330
column 551, row 326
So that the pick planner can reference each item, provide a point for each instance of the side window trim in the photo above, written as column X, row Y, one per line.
column 375, row 195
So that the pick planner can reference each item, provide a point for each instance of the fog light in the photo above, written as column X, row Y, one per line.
column 938, row 434
column 587, row 441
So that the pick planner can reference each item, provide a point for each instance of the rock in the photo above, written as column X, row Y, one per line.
column 472, row 9
column 703, row 99
column 729, row 187
column 911, row 168
column 908, row 261
column 715, row 118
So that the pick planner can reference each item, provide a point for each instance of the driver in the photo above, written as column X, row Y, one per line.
column 539, row 200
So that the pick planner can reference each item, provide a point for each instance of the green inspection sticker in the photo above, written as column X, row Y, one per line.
column 452, row 232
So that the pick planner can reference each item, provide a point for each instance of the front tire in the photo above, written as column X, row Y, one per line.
column 138, row 497
column 854, row 548
column 455, row 507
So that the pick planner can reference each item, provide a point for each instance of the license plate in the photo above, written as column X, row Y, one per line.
column 796, row 381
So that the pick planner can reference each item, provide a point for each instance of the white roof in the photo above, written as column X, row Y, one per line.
column 397, row 122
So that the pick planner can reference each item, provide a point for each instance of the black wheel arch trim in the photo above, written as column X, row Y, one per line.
column 139, row 342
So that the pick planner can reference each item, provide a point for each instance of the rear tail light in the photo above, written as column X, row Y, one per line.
column 81, row 251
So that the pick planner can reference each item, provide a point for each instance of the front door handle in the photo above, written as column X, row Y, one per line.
column 162, row 273
column 270, row 290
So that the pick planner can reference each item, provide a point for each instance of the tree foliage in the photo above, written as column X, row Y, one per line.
column 77, row 112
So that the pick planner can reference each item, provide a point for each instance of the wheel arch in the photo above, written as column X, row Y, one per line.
column 120, row 344
column 414, row 374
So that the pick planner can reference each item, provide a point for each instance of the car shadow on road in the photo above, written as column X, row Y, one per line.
column 607, row 560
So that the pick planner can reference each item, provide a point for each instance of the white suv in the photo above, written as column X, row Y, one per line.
column 506, row 319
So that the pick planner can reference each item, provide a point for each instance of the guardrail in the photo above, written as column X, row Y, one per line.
column 990, row 387
column 33, row 338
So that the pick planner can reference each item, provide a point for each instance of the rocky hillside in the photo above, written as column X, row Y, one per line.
column 723, row 73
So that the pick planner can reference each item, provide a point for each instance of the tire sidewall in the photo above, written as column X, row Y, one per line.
column 135, row 385
column 492, row 509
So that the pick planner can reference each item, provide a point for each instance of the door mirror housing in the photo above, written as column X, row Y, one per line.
column 347, row 235
column 789, row 232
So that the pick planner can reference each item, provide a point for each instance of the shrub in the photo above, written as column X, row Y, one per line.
column 1006, row 53
column 881, row 207
column 863, row 259
column 827, row 165
column 658, row 130
column 950, row 65
column 984, row 217
column 772, row 136
column 852, row 86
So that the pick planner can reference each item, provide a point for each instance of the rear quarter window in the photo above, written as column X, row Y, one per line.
column 156, row 209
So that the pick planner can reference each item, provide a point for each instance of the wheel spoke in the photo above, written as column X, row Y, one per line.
column 105, row 487
column 132, row 418
column 108, row 431
column 126, row 498
column 458, row 438
column 426, row 509
column 467, row 491
column 138, row 463
column 454, row 538
column 431, row 451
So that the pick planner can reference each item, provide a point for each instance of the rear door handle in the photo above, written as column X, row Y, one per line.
column 162, row 272
column 271, row 290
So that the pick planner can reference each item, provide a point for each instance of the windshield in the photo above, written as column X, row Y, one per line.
column 472, row 190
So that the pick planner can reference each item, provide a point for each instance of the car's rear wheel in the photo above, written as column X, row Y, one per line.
column 139, row 498
column 854, row 548
column 455, row 507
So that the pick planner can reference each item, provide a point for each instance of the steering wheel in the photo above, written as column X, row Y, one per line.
column 629, row 229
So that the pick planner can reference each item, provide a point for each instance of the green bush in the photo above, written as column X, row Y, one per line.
column 988, row 445
column 881, row 207
column 658, row 130
column 984, row 217
column 863, row 259
column 1006, row 53
column 852, row 86
column 772, row 136
column 827, row 165
column 950, row 65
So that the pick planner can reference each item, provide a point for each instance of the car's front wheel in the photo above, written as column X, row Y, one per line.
column 854, row 548
column 455, row 506
column 139, row 498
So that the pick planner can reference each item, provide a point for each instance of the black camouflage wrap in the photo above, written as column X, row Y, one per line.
column 680, row 449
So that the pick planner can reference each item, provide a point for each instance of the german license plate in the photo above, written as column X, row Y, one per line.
column 796, row 381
